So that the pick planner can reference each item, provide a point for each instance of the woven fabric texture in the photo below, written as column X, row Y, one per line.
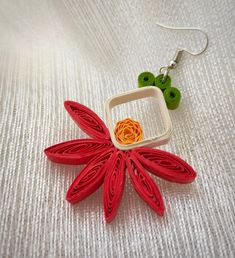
column 88, row 51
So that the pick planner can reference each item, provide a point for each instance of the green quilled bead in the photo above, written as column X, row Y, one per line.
column 146, row 79
column 172, row 97
column 163, row 85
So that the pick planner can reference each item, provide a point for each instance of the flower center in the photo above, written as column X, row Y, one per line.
column 128, row 131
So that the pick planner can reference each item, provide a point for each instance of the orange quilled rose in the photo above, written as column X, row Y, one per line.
column 128, row 131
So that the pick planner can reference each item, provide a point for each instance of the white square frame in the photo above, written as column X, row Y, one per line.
column 149, row 91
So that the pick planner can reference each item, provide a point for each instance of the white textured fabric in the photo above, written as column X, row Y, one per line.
column 54, row 50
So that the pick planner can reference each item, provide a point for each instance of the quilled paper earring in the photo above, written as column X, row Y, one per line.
column 112, row 150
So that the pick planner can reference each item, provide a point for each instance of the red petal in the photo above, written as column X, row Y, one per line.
column 165, row 165
column 113, row 186
column 77, row 151
column 144, row 185
column 87, row 120
column 90, row 178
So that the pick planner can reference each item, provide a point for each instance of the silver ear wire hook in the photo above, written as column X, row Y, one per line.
column 179, row 52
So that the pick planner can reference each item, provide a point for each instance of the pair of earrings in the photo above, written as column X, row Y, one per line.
column 110, row 151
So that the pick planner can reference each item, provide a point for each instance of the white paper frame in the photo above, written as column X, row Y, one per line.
column 136, row 94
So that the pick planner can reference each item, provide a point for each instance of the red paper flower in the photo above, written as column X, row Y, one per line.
column 106, row 164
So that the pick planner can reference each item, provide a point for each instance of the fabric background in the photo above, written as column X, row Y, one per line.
column 55, row 50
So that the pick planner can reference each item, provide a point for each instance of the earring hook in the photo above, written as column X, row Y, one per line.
column 188, row 28
column 179, row 51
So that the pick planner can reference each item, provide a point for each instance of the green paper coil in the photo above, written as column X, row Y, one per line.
column 172, row 97
column 163, row 85
column 146, row 79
